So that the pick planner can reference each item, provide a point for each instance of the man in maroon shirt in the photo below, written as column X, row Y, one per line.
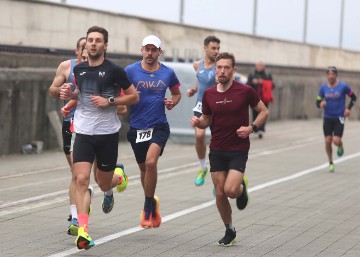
column 225, row 108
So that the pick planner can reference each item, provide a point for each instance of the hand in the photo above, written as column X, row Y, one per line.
column 99, row 101
column 65, row 91
column 194, row 122
column 190, row 92
column 322, row 103
column 169, row 104
column 244, row 132
column 347, row 112
column 65, row 111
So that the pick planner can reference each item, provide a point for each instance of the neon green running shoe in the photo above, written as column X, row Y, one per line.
column 331, row 167
column 120, row 170
column 83, row 240
column 200, row 178
column 340, row 151
column 73, row 227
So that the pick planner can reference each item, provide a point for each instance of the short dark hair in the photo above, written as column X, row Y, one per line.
column 226, row 55
column 78, row 42
column 100, row 30
column 211, row 39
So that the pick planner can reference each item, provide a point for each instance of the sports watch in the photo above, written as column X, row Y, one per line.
column 111, row 100
column 255, row 128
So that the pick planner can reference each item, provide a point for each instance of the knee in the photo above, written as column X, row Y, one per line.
column 82, row 180
column 328, row 140
column 150, row 164
column 231, row 193
column 337, row 141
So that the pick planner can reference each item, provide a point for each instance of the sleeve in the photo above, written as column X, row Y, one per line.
column 122, row 79
column 205, row 106
column 174, row 81
column 253, row 97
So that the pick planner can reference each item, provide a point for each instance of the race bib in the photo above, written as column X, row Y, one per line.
column 144, row 135
column 198, row 107
column 342, row 120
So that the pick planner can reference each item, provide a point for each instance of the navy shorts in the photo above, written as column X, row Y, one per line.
column 66, row 136
column 333, row 127
column 228, row 160
column 160, row 136
column 103, row 147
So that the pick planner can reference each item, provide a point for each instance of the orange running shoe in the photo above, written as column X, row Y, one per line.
column 157, row 219
column 145, row 223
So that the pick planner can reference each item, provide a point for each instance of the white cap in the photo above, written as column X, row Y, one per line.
column 152, row 40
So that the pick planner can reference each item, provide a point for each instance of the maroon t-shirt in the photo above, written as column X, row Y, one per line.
column 230, row 111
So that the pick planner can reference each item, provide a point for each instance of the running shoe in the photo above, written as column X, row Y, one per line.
column 73, row 227
column 83, row 240
column 120, row 170
column 229, row 238
column 242, row 200
column 155, row 215
column 200, row 178
column 108, row 203
column 331, row 167
column 145, row 223
column 340, row 151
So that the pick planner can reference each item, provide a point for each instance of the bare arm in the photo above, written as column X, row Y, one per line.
column 190, row 92
column 60, row 78
column 175, row 99
column 203, row 122
column 245, row 131
column 131, row 97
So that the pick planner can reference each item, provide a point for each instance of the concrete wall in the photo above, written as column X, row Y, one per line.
column 35, row 23
column 298, row 69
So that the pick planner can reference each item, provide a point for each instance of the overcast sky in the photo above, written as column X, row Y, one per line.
column 283, row 19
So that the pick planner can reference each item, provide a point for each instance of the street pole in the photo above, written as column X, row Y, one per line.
column 305, row 21
column 181, row 18
column 341, row 24
column 255, row 18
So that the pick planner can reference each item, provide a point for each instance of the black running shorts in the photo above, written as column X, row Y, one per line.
column 103, row 147
column 333, row 127
column 227, row 160
column 160, row 135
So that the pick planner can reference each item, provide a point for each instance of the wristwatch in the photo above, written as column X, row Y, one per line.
column 111, row 100
column 255, row 128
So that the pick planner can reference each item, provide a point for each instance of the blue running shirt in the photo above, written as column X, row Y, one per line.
column 335, row 99
column 151, row 86
column 70, row 79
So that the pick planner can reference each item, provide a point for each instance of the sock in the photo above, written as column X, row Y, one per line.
column 230, row 226
column 73, row 211
column 153, row 208
column 109, row 192
column 331, row 163
column 203, row 164
column 84, row 221
column 148, row 206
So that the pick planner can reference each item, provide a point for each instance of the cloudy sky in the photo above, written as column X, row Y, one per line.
column 282, row 19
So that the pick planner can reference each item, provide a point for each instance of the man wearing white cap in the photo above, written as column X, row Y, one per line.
column 149, row 129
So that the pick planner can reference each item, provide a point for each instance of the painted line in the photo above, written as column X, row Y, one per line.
column 206, row 205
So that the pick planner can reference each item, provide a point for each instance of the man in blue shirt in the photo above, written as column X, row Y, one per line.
column 149, row 129
column 332, row 98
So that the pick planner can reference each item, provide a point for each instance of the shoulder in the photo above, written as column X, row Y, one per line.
column 166, row 68
column 196, row 65
column 65, row 65
column 132, row 66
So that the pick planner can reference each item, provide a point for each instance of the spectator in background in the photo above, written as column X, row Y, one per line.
column 262, row 82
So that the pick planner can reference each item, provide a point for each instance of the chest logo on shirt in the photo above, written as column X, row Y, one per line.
column 201, row 71
column 225, row 101
column 82, row 73
column 101, row 74
column 151, row 84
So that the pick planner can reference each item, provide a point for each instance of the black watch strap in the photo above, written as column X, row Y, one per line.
column 255, row 128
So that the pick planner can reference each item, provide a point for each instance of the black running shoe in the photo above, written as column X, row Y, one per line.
column 229, row 238
column 243, row 199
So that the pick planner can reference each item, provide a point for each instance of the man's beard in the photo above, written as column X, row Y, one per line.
column 95, row 56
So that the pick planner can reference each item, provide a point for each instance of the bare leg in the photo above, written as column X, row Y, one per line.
column 328, row 147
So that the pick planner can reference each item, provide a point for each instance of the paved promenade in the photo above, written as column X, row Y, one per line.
column 297, row 208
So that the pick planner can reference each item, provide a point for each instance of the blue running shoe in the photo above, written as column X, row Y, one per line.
column 108, row 203
column 340, row 150
column 200, row 178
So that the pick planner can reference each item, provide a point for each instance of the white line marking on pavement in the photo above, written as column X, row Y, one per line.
column 207, row 204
